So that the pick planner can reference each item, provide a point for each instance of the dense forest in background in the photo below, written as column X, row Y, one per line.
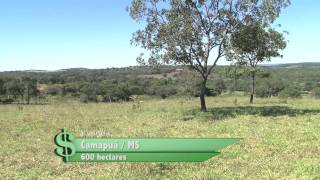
column 121, row 84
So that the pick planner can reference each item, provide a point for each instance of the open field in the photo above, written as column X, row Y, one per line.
column 281, row 139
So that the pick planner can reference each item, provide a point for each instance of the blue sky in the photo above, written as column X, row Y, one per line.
column 57, row 34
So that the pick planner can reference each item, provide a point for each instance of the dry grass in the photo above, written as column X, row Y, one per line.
column 283, row 146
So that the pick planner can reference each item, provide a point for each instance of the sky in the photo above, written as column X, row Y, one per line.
column 59, row 34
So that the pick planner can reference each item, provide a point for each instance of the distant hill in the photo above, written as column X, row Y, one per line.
column 113, row 84
column 294, row 65
column 147, row 70
column 166, row 68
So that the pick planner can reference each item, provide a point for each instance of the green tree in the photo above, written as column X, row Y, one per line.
column 316, row 92
column 14, row 88
column 166, row 91
column 194, row 32
column 89, row 92
column 253, row 44
column 219, row 86
column 234, row 72
column 2, row 88
column 54, row 90
column 30, row 88
column 269, row 87
column 292, row 91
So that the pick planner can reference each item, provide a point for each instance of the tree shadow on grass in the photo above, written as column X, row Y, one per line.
column 220, row 113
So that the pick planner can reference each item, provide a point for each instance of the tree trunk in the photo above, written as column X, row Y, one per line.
column 251, row 98
column 202, row 96
column 22, row 99
column 253, row 76
column 28, row 96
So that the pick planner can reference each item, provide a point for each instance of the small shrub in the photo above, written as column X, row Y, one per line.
column 167, row 91
column 211, row 92
column 316, row 92
column 84, row 98
column 7, row 101
column 219, row 86
column 290, row 92
column 54, row 90
column 262, row 91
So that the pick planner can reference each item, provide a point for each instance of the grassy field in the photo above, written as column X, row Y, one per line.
column 281, row 139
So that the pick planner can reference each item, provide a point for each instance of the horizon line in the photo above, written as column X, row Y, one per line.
column 119, row 67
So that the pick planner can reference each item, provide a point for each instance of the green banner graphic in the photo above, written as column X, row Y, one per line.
column 74, row 149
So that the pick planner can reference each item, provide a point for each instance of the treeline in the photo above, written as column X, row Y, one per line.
column 119, row 84
column 20, row 90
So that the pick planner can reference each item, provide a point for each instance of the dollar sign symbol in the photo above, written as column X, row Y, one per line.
column 66, row 149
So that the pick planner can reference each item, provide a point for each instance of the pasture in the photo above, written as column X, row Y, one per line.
column 281, row 138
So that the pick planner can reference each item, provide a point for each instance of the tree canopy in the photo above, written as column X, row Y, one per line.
column 195, row 32
column 253, row 44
